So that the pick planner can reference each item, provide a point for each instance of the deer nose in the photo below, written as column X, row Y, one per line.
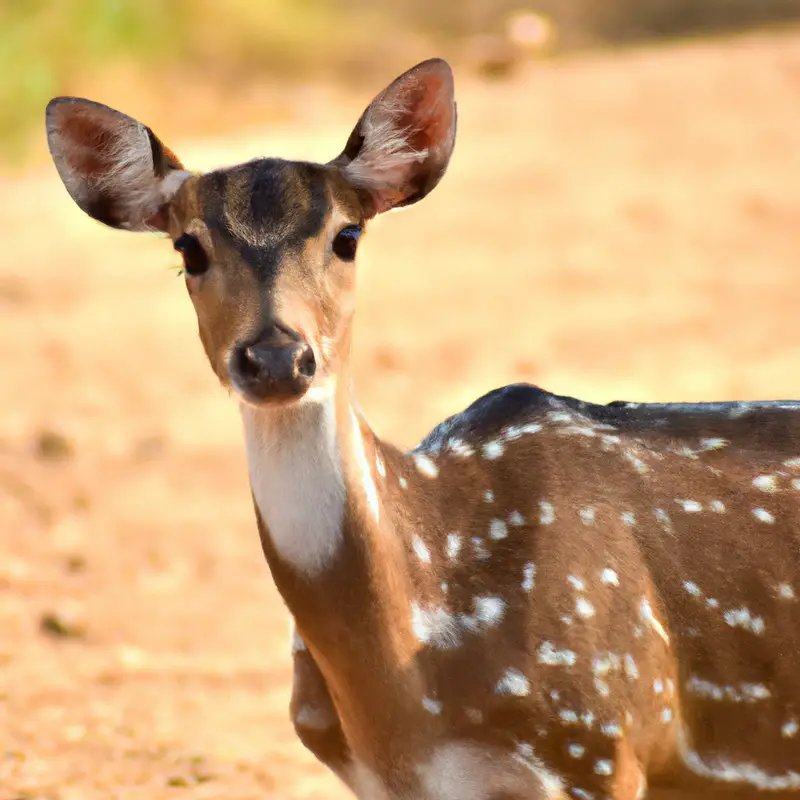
column 276, row 371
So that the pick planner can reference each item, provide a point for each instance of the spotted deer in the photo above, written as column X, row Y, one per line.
column 545, row 598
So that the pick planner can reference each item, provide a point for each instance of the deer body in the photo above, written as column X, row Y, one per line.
column 631, row 657
column 545, row 598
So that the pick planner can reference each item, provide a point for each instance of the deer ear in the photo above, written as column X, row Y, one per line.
column 114, row 167
column 401, row 146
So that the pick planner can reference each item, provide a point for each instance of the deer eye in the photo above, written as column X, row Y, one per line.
column 195, row 260
column 346, row 242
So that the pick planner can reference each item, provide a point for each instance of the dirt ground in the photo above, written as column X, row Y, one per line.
column 612, row 227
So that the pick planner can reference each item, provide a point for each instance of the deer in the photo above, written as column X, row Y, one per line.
column 546, row 598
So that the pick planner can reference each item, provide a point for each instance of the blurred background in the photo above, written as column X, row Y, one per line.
column 619, row 222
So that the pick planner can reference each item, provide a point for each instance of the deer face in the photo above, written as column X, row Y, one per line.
column 268, row 246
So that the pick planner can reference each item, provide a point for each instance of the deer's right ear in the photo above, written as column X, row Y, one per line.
column 401, row 146
column 114, row 167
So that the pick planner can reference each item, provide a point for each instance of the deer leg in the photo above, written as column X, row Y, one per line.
column 314, row 716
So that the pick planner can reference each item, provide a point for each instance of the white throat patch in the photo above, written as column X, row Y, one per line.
column 296, row 475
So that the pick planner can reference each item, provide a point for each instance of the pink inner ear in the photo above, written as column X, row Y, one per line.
column 430, row 112
column 90, row 143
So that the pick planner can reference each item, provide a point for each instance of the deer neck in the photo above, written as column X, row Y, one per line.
column 312, row 472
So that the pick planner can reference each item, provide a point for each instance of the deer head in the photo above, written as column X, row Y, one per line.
column 268, row 246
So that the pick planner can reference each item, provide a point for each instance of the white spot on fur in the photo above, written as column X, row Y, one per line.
column 435, row 627
column 742, row 618
column 713, row 444
column 603, row 665
column 576, row 750
column 497, row 530
column 789, row 729
column 766, row 483
column 431, row 705
column 602, row 687
column 584, row 608
column 744, row 693
column 379, row 465
column 513, row 682
column 692, row 588
column 664, row 520
column 493, row 450
column 550, row 655
column 403, row 482
column 488, row 496
column 609, row 577
column 611, row 729
column 629, row 518
column 421, row 549
column 577, row 583
column 547, row 513
column 785, row 592
column 487, row 612
column 762, row 515
column 629, row 665
column 425, row 465
column 720, row 769
column 635, row 462
column 479, row 548
column 717, row 506
column 528, row 576
column 516, row 519
column 568, row 717
column 666, row 715
column 453, row 546
column 460, row 448
column 603, row 766
column 658, row 686
column 587, row 515
column 690, row 506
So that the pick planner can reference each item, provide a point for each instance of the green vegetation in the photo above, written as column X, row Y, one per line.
column 47, row 45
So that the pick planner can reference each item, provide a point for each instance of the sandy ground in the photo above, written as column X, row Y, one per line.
column 614, row 227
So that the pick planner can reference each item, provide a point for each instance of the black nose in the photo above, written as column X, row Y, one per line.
column 275, row 371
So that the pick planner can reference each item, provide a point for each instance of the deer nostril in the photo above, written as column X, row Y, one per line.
column 306, row 364
column 250, row 362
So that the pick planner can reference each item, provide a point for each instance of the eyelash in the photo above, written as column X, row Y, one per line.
column 195, row 260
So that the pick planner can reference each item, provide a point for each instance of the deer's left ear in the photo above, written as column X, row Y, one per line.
column 114, row 167
column 401, row 146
